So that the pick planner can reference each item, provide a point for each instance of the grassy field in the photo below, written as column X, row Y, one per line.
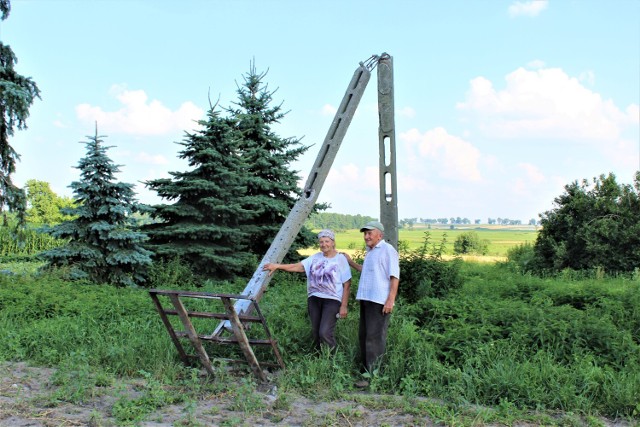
column 499, row 348
column 501, row 238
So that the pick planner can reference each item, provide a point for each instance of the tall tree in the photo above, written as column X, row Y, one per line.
column 273, row 186
column 44, row 205
column 593, row 225
column 103, row 243
column 17, row 93
column 202, row 227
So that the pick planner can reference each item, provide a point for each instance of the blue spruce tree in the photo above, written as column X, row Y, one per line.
column 202, row 226
column 103, row 244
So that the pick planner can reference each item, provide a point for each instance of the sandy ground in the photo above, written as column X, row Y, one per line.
column 28, row 398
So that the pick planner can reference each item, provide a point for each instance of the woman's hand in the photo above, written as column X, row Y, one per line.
column 271, row 266
column 343, row 312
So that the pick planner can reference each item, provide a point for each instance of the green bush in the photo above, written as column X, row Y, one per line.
column 469, row 243
column 423, row 272
column 521, row 257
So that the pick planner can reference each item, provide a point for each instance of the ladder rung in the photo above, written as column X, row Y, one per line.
column 183, row 334
column 221, row 316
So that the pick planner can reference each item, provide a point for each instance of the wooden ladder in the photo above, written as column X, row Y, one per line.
column 239, row 324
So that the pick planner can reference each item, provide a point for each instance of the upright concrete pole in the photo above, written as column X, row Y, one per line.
column 387, row 146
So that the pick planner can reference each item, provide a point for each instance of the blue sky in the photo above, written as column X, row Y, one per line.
column 499, row 104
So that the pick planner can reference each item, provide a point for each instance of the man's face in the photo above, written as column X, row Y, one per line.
column 372, row 237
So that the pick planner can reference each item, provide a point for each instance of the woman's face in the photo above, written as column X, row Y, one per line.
column 326, row 244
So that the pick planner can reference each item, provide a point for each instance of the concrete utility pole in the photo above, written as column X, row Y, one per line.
column 387, row 145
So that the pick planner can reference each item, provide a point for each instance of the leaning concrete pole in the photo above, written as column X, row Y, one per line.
column 301, row 210
column 387, row 145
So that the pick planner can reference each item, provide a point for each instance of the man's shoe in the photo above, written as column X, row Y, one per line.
column 361, row 384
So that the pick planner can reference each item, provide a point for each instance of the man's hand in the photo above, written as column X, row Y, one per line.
column 388, row 307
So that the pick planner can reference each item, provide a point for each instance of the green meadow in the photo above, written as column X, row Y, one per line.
column 471, row 343
column 500, row 238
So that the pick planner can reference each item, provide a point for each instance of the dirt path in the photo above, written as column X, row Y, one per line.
column 29, row 397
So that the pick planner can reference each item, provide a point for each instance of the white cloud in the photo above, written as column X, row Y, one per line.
column 139, row 115
column 588, row 77
column 352, row 190
column 633, row 112
column 351, row 173
column 527, row 8
column 545, row 103
column 451, row 157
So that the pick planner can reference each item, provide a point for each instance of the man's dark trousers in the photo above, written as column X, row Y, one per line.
column 372, row 333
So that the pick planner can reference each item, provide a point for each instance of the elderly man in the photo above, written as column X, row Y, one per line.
column 377, row 290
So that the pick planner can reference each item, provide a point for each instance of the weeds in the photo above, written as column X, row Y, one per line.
column 245, row 398
column 502, row 340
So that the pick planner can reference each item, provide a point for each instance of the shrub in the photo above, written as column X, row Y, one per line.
column 521, row 257
column 470, row 243
column 425, row 274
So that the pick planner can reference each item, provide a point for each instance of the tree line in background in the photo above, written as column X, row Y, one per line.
column 336, row 222
column 341, row 222
column 410, row 222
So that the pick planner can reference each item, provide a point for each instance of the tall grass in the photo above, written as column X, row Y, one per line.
column 503, row 339
column 23, row 243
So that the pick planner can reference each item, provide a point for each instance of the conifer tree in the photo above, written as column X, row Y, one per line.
column 103, row 243
column 202, row 226
column 17, row 93
column 273, row 187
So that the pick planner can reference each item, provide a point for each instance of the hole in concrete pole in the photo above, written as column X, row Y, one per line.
column 386, row 142
column 387, row 187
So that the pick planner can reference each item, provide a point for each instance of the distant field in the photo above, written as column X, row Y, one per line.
column 500, row 238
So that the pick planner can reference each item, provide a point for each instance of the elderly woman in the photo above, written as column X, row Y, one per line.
column 328, row 283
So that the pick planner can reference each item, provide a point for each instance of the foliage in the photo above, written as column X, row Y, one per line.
column 336, row 222
column 423, row 272
column 17, row 94
column 102, row 243
column 43, row 205
column 521, row 257
column 592, row 225
column 507, row 342
column 172, row 274
column 24, row 243
column 203, row 226
column 470, row 243
column 273, row 188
